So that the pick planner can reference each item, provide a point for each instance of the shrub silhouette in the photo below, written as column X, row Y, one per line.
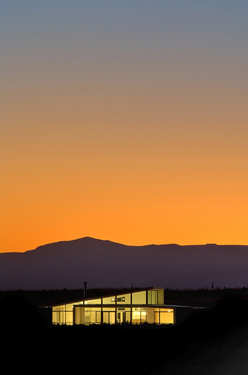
column 17, row 313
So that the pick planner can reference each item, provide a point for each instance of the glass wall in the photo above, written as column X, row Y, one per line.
column 109, row 300
column 62, row 314
column 139, row 298
column 108, row 315
column 119, row 299
column 92, row 315
column 111, row 315
column 152, row 297
column 164, row 316
column 139, row 315
column 93, row 302
column 116, row 309
column 124, row 299
column 123, row 315
column 58, row 315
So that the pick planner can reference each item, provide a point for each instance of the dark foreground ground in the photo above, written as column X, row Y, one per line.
column 211, row 342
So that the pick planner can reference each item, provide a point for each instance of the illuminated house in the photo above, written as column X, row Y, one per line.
column 134, row 307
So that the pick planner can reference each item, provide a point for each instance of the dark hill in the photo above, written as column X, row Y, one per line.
column 103, row 264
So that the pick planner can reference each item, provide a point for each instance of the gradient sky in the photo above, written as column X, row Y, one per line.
column 123, row 120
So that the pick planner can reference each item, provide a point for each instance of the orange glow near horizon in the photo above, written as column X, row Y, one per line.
column 134, row 134
column 135, row 184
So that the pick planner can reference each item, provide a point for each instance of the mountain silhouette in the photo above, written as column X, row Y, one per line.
column 68, row 264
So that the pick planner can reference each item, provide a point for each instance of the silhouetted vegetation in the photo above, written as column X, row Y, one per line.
column 17, row 313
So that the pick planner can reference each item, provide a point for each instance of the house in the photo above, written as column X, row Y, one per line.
column 134, row 307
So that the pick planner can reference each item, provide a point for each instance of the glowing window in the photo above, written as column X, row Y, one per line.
column 164, row 316
column 152, row 297
column 108, row 317
column 139, row 315
column 108, row 300
column 92, row 315
column 93, row 302
column 139, row 298
column 125, row 299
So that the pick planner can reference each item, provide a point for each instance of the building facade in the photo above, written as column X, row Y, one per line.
column 133, row 307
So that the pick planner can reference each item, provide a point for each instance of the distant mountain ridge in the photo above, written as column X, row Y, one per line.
column 103, row 263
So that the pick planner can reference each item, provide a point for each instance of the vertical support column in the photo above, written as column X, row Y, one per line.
column 131, row 310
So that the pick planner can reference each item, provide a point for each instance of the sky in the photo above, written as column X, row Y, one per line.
column 123, row 120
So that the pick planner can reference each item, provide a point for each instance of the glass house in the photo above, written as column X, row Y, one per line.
column 134, row 307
